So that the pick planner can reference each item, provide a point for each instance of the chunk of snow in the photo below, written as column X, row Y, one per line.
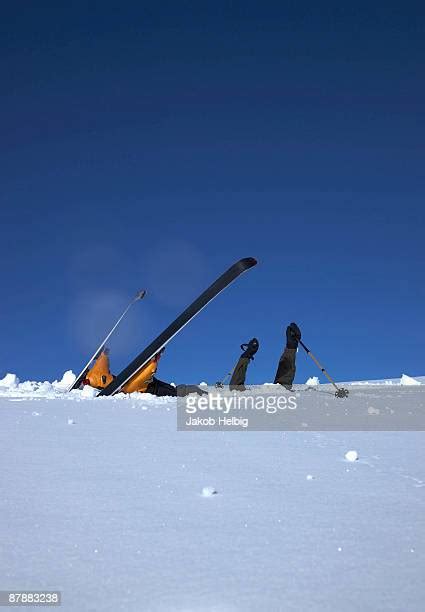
column 408, row 380
column 45, row 388
column 351, row 455
column 67, row 380
column 29, row 386
column 208, row 492
column 89, row 392
column 313, row 381
column 309, row 477
column 10, row 381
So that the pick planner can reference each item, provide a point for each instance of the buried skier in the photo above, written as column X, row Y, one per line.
column 144, row 381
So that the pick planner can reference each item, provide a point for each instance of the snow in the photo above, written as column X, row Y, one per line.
column 408, row 380
column 103, row 499
column 208, row 491
column 351, row 455
column 403, row 380
column 89, row 392
column 313, row 381
column 67, row 380
column 10, row 381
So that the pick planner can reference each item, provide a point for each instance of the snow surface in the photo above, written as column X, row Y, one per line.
column 405, row 379
column 104, row 500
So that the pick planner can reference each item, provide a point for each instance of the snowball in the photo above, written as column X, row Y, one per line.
column 406, row 381
column 309, row 477
column 208, row 492
column 313, row 381
column 71, row 422
column 11, row 381
column 89, row 392
column 351, row 455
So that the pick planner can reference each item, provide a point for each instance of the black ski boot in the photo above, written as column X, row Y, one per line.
column 250, row 348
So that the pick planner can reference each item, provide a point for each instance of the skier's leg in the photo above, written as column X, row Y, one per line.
column 160, row 388
column 239, row 373
column 183, row 390
column 286, row 368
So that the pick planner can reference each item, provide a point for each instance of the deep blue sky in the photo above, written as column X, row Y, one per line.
column 153, row 144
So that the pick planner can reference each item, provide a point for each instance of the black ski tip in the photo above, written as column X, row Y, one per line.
column 248, row 262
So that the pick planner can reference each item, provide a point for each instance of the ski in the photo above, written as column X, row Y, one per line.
column 75, row 385
column 177, row 325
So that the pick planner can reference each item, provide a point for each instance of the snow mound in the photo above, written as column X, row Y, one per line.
column 408, row 381
column 313, row 381
column 10, row 381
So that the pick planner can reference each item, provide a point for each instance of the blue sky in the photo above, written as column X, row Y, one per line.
column 153, row 144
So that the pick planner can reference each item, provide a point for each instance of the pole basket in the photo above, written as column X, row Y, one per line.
column 342, row 393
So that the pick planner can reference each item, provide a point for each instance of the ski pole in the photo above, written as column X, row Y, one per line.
column 139, row 296
column 340, row 391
